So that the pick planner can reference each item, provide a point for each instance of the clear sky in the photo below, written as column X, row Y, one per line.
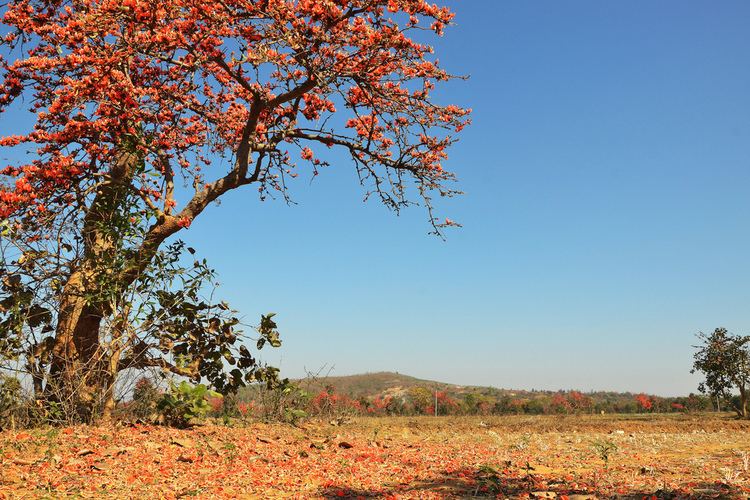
column 606, row 212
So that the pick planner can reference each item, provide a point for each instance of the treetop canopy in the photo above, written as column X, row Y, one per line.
column 256, row 83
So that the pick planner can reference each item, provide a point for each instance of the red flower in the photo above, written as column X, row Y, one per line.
column 307, row 154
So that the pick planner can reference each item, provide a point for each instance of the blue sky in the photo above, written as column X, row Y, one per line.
column 605, row 214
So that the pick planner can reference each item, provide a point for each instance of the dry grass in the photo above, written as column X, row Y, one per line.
column 667, row 456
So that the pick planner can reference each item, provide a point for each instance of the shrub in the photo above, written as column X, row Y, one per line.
column 146, row 398
column 328, row 404
column 11, row 401
column 284, row 401
column 604, row 448
column 185, row 402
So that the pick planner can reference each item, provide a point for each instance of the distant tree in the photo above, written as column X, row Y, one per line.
column 536, row 406
column 380, row 405
column 422, row 399
column 724, row 360
column 695, row 402
column 660, row 405
column 579, row 401
column 470, row 403
column 446, row 405
column 644, row 402
column 560, row 403
column 503, row 405
column 625, row 406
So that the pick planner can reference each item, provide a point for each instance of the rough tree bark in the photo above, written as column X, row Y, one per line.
column 78, row 365
column 742, row 409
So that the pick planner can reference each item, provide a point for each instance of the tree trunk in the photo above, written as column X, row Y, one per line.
column 742, row 410
column 115, row 349
column 79, row 364
column 73, row 375
column 82, row 371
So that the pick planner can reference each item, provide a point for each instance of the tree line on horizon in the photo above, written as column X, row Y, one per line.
column 312, row 397
column 423, row 400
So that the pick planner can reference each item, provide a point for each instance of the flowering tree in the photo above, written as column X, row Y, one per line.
column 579, row 401
column 644, row 402
column 560, row 403
column 446, row 405
column 422, row 400
column 146, row 112
column 380, row 405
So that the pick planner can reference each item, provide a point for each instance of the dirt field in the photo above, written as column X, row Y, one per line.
column 674, row 456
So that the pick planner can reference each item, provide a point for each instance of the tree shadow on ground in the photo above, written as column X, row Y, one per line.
column 469, row 484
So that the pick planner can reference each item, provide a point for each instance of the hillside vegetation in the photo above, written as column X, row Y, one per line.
column 372, row 384
column 389, row 393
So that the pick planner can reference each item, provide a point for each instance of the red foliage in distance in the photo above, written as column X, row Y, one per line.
column 644, row 402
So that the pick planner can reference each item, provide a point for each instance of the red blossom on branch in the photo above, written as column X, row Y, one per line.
column 179, row 86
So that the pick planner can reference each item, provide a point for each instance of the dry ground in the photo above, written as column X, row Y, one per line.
column 676, row 456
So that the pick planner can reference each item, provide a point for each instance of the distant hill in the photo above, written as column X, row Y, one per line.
column 393, row 384
column 370, row 384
